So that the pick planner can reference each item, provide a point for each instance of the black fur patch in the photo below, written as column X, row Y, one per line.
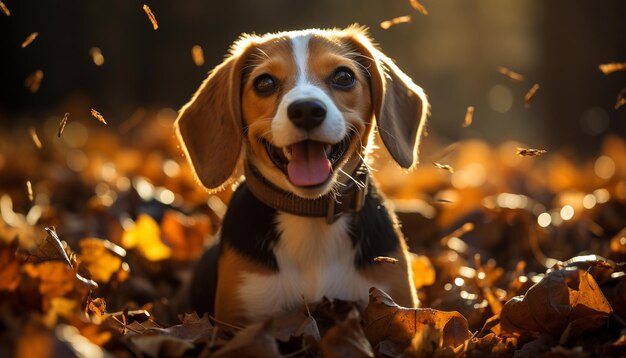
column 373, row 230
column 249, row 227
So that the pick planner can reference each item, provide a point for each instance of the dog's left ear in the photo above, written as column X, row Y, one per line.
column 400, row 106
column 209, row 126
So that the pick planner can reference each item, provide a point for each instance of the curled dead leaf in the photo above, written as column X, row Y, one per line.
column 566, row 298
column 385, row 320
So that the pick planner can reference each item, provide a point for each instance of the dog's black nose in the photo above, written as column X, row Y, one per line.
column 306, row 114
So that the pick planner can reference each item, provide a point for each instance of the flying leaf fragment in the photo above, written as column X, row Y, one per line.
column 511, row 74
column 395, row 21
column 96, row 56
column 530, row 152
column 4, row 9
column 444, row 167
column 98, row 116
column 35, row 137
column 197, row 55
column 385, row 320
column 389, row 260
column 63, row 124
column 151, row 16
column 33, row 81
column 415, row 4
column 608, row 68
column 469, row 116
column 621, row 99
column 29, row 39
column 29, row 190
column 530, row 95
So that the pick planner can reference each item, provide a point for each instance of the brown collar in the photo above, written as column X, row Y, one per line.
column 330, row 206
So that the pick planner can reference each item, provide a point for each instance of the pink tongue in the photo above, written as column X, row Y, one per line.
column 308, row 165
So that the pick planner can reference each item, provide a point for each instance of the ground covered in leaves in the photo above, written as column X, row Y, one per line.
column 100, row 228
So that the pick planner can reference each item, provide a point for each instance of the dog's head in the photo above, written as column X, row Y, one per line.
column 300, row 106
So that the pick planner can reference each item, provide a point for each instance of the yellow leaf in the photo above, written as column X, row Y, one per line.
column 145, row 236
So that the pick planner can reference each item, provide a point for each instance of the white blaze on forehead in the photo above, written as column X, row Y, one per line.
column 300, row 45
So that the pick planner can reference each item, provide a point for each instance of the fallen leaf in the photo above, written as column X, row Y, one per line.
column 565, row 296
column 10, row 268
column 385, row 320
column 101, row 258
column 145, row 236
column 98, row 116
column 423, row 271
column 253, row 341
column 346, row 339
column 530, row 152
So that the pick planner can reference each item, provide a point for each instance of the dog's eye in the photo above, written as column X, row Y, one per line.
column 343, row 78
column 264, row 84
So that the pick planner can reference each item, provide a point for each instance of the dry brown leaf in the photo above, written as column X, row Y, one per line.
column 29, row 39
column 395, row 21
column 63, row 124
column 389, row 260
column 385, row 320
column 97, row 307
column 10, row 267
column 253, row 341
column 193, row 329
column 197, row 55
column 33, row 81
column 530, row 95
column 151, row 16
column 608, row 68
column 564, row 296
column 50, row 249
column 4, row 9
column 346, row 339
column 415, row 4
column 511, row 74
column 98, row 116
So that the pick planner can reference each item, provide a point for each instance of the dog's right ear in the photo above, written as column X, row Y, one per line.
column 209, row 127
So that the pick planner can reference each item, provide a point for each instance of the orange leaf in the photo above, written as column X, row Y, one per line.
column 145, row 236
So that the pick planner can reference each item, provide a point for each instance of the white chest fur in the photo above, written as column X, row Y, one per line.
column 314, row 259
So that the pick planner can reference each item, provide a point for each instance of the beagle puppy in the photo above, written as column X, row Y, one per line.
column 297, row 111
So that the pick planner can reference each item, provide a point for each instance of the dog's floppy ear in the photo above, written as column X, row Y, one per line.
column 400, row 106
column 209, row 126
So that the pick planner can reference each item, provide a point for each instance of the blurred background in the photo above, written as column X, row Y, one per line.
column 453, row 53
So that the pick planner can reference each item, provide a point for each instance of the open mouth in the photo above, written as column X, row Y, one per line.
column 308, row 163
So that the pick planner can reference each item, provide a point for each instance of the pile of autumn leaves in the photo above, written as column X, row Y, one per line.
column 123, row 293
